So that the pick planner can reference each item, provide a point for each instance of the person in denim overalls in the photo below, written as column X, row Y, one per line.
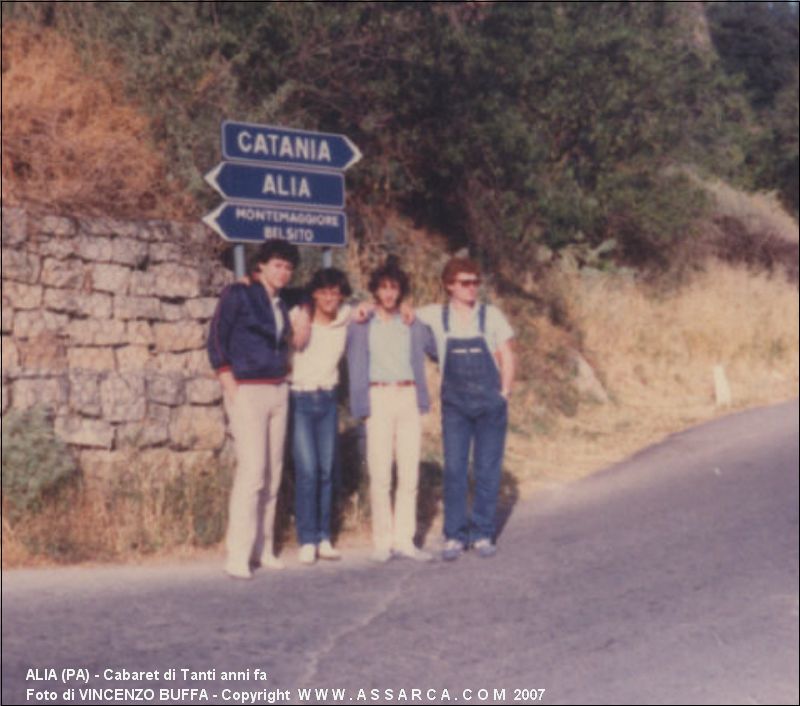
column 474, row 344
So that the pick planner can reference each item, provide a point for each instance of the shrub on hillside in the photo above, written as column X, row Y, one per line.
column 70, row 138
column 35, row 462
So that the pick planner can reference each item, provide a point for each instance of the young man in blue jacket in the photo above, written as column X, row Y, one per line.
column 386, row 364
column 248, row 346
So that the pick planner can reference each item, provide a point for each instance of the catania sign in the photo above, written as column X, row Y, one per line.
column 266, row 143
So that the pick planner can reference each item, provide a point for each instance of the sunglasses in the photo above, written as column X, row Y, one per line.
column 472, row 282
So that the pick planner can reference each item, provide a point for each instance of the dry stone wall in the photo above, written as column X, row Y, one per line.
column 104, row 322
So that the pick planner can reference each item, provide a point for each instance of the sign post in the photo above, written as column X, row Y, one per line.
column 281, row 183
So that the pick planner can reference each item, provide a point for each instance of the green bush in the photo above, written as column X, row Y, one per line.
column 35, row 461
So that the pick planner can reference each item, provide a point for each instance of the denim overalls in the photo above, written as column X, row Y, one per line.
column 473, row 411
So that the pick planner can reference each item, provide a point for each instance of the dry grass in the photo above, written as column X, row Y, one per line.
column 70, row 140
column 761, row 212
column 748, row 228
column 655, row 353
column 146, row 503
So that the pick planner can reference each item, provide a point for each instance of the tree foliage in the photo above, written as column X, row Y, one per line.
column 759, row 43
column 506, row 125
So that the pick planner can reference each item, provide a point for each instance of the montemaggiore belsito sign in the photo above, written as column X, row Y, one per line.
column 281, row 183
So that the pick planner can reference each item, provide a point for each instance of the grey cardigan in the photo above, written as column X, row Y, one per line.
column 422, row 343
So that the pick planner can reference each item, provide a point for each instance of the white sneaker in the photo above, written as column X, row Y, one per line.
column 413, row 553
column 326, row 551
column 380, row 556
column 238, row 572
column 452, row 550
column 270, row 561
column 307, row 554
column 484, row 548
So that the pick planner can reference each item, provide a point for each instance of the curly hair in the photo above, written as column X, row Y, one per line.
column 390, row 271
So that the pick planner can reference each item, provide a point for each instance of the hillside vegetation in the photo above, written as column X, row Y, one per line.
column 625, row 172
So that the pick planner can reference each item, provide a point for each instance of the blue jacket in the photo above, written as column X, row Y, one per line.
column 422, row 343
column 242, row 337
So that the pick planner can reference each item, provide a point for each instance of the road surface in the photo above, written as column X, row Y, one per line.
column 669, row 578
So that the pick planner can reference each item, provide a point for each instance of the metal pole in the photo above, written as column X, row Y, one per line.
column 238, row 261
column 327, row 257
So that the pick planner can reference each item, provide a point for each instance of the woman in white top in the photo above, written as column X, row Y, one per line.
column 314, row 379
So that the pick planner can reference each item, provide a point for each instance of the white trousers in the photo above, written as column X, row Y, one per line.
column 394, row 430
column 258, row 415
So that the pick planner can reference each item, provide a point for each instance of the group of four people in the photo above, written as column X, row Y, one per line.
column 277, row 350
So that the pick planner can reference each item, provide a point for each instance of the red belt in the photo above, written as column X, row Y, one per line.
column 261, row 381
column 402, row 383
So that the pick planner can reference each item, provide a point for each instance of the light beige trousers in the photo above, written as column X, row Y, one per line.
column 394, row 430
column 258, row 415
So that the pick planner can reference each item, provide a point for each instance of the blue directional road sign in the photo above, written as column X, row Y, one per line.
column 244, row 222
column 266, row 143
column 277, row 185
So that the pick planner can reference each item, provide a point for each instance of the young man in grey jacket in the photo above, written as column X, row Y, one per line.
column 386, row 363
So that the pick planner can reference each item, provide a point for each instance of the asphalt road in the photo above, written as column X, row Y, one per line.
column 669, row 578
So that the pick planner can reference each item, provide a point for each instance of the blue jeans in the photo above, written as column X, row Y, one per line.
column 485, row 428
column 315, row 425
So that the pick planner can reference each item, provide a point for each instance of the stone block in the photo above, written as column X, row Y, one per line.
column 140, row 333
column 122, row 397
column 173, row 280
column 45, row 392
column 74, row 301
column 91, row 358
column 98, row 226
column 14, row 227
column 43, row 354
column 198, row 428
column 203, row 391
column 70, row 274
column 218, row 278
column 28, row 324
column 202, row 308
column 158, row 232
column 96, row 332
column 179, row 336
column 136, row 307
column 94, row 248
column 165, row 389
column 111, row 278
column 20, row 266
column 84, row 393
column 129, row 251
column 143, row 284
column 172, row 312
column 58, row 226
column 132, row 358
column 167, row 252
column 7, row 317
column 6, row 389
column 10, row 357
column 189, row 364
column 59, row 248
column 105, row 226
column 82, row 431
column 153, row 430
column 22, row 296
